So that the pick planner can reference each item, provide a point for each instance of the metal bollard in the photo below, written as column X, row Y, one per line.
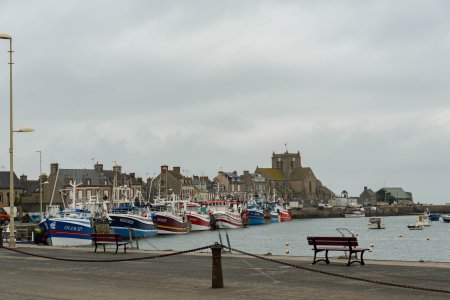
column 217, row 278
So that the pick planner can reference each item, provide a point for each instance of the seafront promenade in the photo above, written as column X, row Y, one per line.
column 188, row 276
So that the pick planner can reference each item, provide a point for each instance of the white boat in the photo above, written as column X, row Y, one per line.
column 375, row 223
column 356, row 213
column 423, row 220
column 446, row 218
column 226, row 214
column 414, row 227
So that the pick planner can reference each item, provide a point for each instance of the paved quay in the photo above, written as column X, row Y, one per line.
column 188, row 276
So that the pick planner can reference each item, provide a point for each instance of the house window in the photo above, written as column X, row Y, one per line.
column 106, row 193
column 88, row 181
column 1, row 197
column 89, row 194
column 310, row 187
column 292, row 164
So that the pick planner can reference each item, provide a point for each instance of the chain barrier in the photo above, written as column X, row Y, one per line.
column 107, row 260
column 340, row 275
column 238, row 251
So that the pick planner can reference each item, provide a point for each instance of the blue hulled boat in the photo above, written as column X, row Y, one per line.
column 126, row 220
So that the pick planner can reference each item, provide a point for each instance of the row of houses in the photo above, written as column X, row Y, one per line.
column 286, row 180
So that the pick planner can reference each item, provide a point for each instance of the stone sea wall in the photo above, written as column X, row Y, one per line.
column 300, row 213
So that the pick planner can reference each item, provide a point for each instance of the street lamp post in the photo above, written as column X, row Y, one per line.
column 40, row 182
column 12, row 239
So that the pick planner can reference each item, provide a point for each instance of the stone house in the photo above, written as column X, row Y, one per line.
column 4, row 189
column 367, row 196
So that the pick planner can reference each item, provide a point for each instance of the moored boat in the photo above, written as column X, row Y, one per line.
column 446, row 218
column 167, row 221
column 226, row 214
column 423, row 220
column 131, row 224
column 198, row 218
column 356, row 213
column 375, row 223
column 69, row 227
column 414, row 227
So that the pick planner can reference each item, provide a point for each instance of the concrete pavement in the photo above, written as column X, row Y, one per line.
column 188, row 276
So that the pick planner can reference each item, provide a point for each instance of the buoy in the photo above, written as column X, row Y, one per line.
column 428, row 238
column 286, row 244
column 286, row 251
column 370, row 250
column 371, row 245
column 400, row 235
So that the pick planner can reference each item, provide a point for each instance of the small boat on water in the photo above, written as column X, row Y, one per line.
column 434, row 217
column 446, row 218
column 375, row 223
column 356, row 213
column 414, row 227
column 423, row 220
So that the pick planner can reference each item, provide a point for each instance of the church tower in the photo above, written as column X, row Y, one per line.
column 286, row 162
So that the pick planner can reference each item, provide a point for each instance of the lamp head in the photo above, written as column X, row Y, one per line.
column 5, row 36
column 25, row 129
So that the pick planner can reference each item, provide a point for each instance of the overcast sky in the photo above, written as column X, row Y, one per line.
column 360, row 88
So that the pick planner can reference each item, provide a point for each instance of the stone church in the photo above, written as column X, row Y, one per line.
column 292, row 181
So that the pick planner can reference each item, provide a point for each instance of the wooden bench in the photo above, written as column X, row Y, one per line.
column 336, row 243
column 109, row 239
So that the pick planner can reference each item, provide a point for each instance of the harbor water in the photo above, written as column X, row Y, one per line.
column 395, row 242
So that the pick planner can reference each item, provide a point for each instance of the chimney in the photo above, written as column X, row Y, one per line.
column 117, row 169
column 164, row 169
column 53, row 168
column 132, row 175
column 98, row 167
column 176, row 170
column 23, row 178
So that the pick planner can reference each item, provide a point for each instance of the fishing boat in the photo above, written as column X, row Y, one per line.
column 70, row 227
column 167, row 220
column 255, row 213
column 128, row 220
column 375, row 223
column 226, row 214
column 197, row 216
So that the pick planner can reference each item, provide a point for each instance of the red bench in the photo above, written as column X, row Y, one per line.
column 109, row 239
column 336, row 243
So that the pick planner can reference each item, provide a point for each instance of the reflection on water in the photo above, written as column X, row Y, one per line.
column 395, row 242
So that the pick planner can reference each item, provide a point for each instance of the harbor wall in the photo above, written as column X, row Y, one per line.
column 301, row 213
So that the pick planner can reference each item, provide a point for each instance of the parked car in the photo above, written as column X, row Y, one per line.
column 4, row 216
